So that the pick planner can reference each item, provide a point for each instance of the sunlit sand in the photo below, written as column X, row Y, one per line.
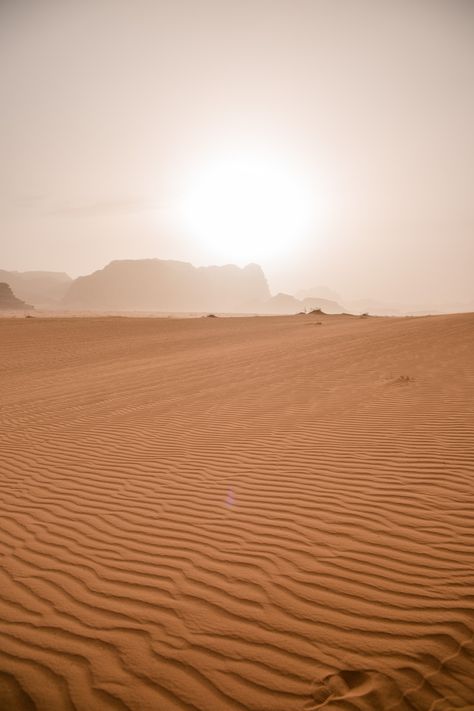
column 230, row 514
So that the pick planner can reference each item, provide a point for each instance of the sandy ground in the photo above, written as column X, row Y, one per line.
column 227, row 514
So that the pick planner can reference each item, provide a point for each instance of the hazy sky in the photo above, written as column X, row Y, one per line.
column 113, row 110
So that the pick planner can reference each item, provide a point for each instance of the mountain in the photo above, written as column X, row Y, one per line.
column 8, row 300
column 167, row 286
column 287, row 304
column 44, row 289
column 318, row 292
column 378, row 308
column 281, row 304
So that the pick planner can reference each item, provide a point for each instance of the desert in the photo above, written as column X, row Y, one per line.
column 265, row 513
column 236, row 355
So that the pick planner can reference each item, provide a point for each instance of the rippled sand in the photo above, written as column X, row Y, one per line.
column 272, row 514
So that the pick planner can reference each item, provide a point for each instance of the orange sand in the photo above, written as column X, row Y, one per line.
column 231, row 514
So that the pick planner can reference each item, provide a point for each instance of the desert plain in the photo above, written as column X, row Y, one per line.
column 231, row 514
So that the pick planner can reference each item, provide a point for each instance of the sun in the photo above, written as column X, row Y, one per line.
column 245, row 208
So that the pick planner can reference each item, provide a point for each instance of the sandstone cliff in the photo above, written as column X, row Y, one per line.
column 168, row 286
column 8, row 300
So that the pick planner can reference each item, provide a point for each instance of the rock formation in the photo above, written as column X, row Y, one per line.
column 8, row 300
column 44, row 289
column 168, row 286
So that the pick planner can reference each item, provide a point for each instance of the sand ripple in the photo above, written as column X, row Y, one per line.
column 231, row 514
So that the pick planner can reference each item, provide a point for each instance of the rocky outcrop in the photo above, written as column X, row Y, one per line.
column 44, row 289
column 168, row 286
column 8, row 300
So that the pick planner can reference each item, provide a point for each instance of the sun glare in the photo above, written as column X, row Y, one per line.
column 246, row 209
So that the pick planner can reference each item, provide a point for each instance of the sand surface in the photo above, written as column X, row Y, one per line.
column 227, row 514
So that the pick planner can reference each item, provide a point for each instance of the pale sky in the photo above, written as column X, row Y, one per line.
column 112, row 111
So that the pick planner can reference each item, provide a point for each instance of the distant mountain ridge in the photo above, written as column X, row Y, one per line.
column 288, row 304
column 163, row 286
column 168, row 286
column 8, row 300
column 318, row 292
column 174, row 286
column 41, row 288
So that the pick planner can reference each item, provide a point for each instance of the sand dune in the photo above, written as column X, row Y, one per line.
column 229, row 514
